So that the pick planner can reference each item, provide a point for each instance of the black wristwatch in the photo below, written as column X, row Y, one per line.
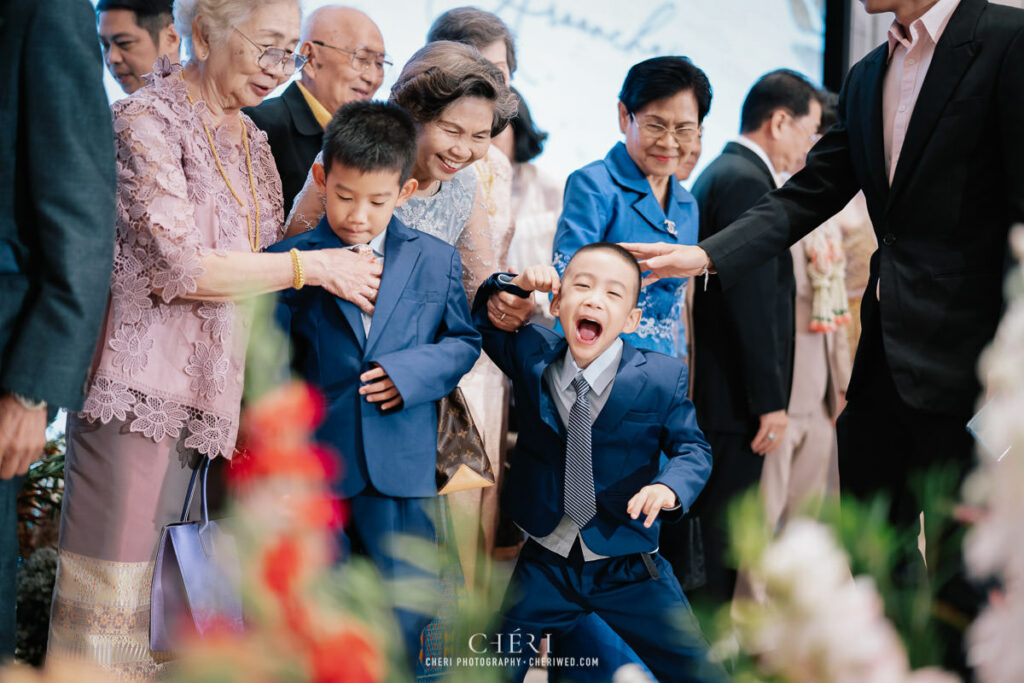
column 505, row 285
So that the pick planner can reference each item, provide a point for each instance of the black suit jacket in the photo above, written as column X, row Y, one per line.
column 743, row 335
column 57, row 197
column 942, row 226
column 295, row 138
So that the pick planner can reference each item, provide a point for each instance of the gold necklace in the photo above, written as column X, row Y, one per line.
column 254, row 240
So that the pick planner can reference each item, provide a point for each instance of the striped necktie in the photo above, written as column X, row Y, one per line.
column 579, row 469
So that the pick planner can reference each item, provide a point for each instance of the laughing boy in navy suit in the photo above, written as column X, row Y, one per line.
column 587, row 486
column 381, row 372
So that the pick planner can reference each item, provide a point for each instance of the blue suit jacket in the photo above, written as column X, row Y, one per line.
column 646, row 414
column 611, row 200
column 421, row 334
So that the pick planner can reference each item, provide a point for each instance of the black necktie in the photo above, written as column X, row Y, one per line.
column 579, row 468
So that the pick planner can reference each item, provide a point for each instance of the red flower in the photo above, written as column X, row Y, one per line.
column 288, row 414
column 281, row 567
column 346, row 657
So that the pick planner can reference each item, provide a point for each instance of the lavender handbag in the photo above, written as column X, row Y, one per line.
column 195, row 580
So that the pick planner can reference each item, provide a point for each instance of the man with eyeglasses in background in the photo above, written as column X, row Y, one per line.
column 345, row 62
column 743, row 336
column 133, row 35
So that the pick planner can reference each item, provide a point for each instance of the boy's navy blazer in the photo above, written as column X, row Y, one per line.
column 646, row 414
column 421, row 334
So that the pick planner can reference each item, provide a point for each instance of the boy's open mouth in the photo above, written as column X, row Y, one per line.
column 587, row 330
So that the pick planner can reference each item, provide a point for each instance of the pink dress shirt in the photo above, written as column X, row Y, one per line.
column 909, row 59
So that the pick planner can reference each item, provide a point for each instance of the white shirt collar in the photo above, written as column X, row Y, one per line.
column 762, row 155
column 599, row 374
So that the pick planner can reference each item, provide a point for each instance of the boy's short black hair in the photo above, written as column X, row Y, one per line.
column 618, row 251
column 152, row 16
column 660, row 77
column 371, row 136
column 780, row 89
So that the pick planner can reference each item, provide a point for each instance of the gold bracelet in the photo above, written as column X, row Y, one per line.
column 299, row 272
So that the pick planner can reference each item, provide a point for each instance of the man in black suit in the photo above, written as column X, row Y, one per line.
column 57, row 184
column 345, row 57
column 942, row 169
column 743, row 335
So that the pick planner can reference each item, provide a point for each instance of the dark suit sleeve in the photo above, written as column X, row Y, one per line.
column 1011, row 125
column 500, row 346
column 69, row 174
column 689, row 455
column 824, row 186
column 429, row 372
column 749, row 305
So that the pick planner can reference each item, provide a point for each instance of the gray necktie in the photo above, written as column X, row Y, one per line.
column 579, row 467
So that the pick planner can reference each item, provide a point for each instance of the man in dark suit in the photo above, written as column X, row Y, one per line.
column 743, row 335
column 56, row 237
column 345, row 57
column 930, row 130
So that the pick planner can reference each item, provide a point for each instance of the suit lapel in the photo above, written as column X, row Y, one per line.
column 322, row 237
column 629, row 381
column 627, row 174
column 302, row 116
column 400, row 256
column 546, row 404
column 751, row 156
column 954, row 52
column 871, row 87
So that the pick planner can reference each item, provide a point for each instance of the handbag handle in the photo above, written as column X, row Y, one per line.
column 204, row 466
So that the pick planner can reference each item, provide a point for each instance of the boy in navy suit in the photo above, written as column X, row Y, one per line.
column 586, row 485
column 383, row 367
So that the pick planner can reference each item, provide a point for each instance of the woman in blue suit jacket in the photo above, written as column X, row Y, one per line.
column 632, row 195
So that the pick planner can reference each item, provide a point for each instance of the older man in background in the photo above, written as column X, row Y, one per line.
column 133, row 35
column 345, row 57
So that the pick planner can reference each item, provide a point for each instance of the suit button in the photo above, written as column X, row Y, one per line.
column 888, row 238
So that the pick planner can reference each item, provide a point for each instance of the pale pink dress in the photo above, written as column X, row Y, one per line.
column 166, row 381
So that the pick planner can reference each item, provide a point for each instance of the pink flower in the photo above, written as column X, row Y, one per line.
column 157, row 418
column 108, row 399
column 210, row 435
column 176, row 274
column 132, row 348
column 130, row 298
column 217, row 319
column 209, row 369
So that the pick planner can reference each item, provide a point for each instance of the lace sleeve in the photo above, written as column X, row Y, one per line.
column 158, row 247
column 476, row 247
column 309, row 205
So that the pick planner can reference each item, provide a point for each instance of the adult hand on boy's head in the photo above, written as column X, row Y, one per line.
column 347, row 275
column 538, row 279
column 378, row 388
column 508, row 311
column 650, row 500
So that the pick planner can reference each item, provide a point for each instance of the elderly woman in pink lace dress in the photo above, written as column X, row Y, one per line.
column 198, row 198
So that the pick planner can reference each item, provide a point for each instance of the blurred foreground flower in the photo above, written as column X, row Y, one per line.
column 284, row 520
column 993, row 547
column 816, row 623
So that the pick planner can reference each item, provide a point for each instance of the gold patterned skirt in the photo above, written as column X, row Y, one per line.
column 121, row 488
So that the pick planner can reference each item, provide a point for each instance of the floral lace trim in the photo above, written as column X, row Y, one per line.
column 157, row 417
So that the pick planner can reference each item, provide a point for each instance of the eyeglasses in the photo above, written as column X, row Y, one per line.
column 273, row 57
column 362, row 59
column 684, row 134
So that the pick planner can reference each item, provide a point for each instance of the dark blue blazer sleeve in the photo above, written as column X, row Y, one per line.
column 66, row 198
column 418, row 372
column 689, row 455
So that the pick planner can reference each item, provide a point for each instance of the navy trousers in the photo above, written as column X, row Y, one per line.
column 377, row 523
column 8, row 565
column 551, row 594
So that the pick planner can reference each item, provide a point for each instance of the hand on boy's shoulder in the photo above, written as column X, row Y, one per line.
column 650, row 500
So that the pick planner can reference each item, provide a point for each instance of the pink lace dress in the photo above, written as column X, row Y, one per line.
column 167, row 374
